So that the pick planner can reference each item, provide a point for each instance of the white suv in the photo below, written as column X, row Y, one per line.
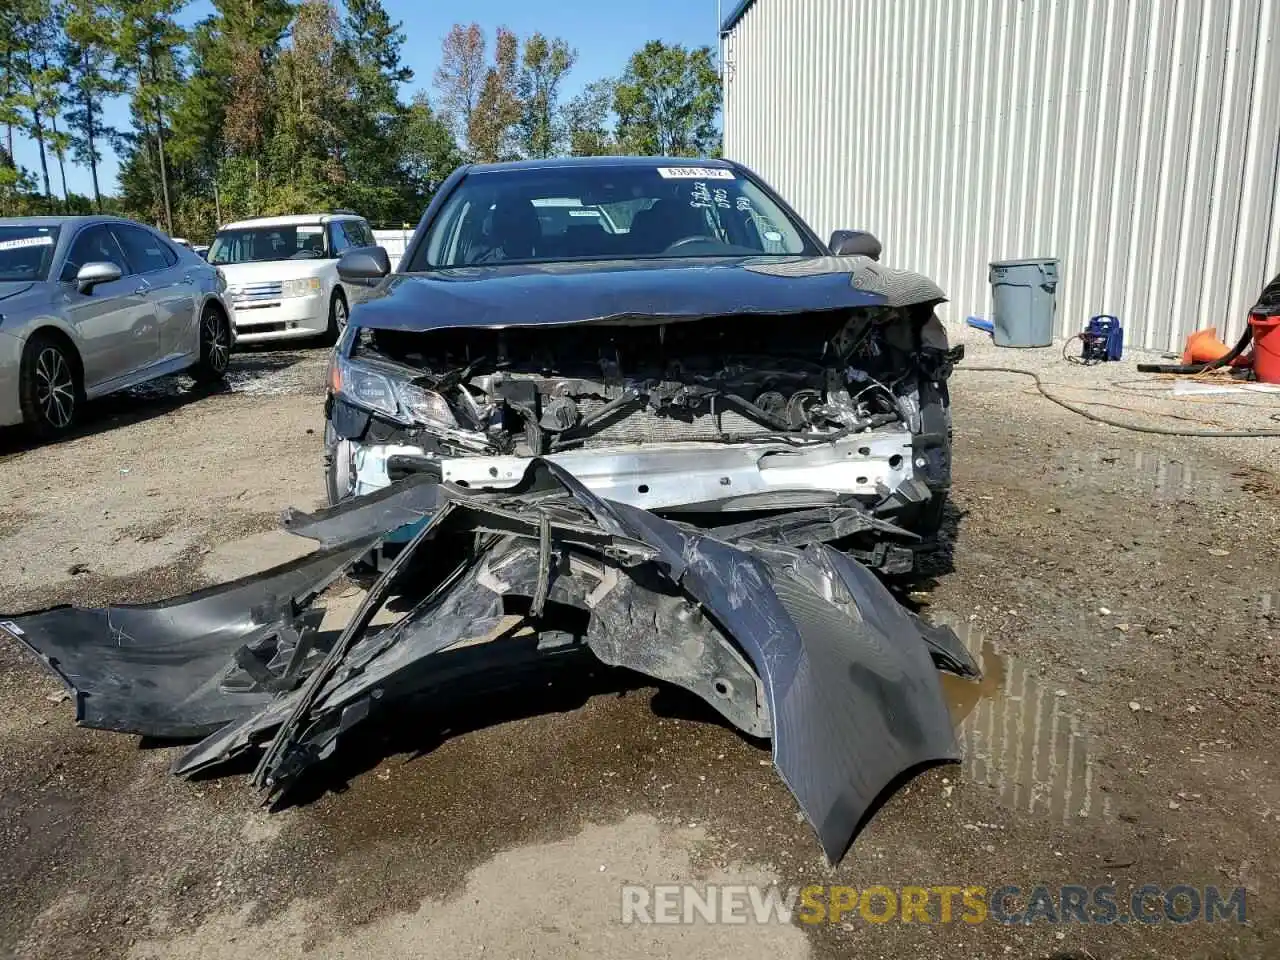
column 282, row 274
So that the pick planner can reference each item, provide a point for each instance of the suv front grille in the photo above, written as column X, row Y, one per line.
column 256, row 294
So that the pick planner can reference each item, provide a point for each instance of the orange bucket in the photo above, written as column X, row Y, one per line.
column 1203, row 346
column 1266, row 348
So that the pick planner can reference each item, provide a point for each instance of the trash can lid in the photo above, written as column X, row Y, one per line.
column 1025, row 262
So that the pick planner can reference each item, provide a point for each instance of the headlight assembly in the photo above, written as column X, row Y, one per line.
column 386, row 393
column 303, row 287
column 425, row 406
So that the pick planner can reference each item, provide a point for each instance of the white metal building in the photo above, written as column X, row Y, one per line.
column 1136, row 140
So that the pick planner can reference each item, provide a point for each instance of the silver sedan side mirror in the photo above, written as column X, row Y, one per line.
column 94, row 273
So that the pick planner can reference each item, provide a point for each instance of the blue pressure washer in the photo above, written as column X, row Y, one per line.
column 1102, row 340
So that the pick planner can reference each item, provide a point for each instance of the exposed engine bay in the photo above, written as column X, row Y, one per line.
column 713, row 415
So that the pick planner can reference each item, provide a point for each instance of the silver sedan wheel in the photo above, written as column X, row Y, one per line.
column 55, row 387
column 340, row 314
column 217, row 338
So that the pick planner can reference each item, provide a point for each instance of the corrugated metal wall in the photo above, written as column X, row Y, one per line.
column 1136, row 140
column 394, row 242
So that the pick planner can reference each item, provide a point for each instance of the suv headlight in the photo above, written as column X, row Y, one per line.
column 386, row 393
column 304, row 287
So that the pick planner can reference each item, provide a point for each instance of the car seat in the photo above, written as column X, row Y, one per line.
column 514, row 231
column 655, row 229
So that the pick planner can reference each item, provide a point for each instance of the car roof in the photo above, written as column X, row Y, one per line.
column 555, row 163
column 293, row 220
column 66, row 221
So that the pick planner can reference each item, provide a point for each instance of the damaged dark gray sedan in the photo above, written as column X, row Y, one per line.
column 627, row 408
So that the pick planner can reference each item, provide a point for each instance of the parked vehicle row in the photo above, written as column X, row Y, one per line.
column 91, row 305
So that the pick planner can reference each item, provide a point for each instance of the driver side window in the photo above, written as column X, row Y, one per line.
column 338, row 241
column 93, row 245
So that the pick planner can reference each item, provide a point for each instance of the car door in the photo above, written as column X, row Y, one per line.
column 115, row 322
column 169, row 284
column 340, row 244
column 356, row 236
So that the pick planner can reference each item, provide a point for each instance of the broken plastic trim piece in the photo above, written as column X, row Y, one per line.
column 793, row 640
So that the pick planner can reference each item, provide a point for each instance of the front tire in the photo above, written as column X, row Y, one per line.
column 215, row 346
column 50, row 389
column 339, row 313
column 339, row 481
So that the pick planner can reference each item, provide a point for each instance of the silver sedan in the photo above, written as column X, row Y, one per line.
column 91, row 305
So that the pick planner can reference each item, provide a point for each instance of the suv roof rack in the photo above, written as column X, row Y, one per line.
column 343, row 210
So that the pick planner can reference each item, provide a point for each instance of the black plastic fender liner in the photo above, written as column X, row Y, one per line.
column 157, row 669
column 852, row 690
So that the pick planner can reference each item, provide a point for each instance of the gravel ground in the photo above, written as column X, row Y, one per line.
column 1121, row 587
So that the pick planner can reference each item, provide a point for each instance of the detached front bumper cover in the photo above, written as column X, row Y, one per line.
column 785, row 636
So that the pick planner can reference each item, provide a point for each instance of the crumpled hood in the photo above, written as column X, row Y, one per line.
column 619, row 291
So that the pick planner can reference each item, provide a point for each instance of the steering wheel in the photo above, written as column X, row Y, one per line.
column 693, row 238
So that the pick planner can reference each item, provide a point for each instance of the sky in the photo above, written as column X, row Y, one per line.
column 604, row 32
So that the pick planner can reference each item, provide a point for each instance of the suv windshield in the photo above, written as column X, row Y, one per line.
column 252, row 244
column 26, row 252
column 607, row 212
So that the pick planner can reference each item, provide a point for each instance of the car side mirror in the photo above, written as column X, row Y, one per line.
column 855, row 243
column 364, row 266
column 94, row 273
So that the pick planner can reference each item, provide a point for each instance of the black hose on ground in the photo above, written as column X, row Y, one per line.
column 1076, row 408
column 1245, row 339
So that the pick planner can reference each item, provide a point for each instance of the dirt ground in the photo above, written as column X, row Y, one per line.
column 1123, row 589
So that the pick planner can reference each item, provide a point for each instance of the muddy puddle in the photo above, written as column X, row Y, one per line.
column 1023, row 740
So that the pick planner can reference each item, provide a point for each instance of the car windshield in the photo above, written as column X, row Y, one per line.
column 255, row 244
column 607, row 212
column 26, row 252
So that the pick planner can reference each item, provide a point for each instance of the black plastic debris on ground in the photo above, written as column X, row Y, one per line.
column 785, row 636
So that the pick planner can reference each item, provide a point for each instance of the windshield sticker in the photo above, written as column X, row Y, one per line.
column 702, row 198
column 695, row 173
column 306, row 230
column 773, row 236
column 584, row 213
column 45, row 241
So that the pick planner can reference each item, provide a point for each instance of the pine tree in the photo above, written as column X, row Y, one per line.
column 149, row 47
column 90, row 80
column 375, row 118
column 306, row 143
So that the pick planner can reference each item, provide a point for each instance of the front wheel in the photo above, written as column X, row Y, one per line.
column 339, row 469
column 215, row 346
column 49, row 387
column 338, row 314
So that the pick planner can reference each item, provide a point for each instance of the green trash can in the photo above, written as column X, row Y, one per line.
column 1024, row 302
